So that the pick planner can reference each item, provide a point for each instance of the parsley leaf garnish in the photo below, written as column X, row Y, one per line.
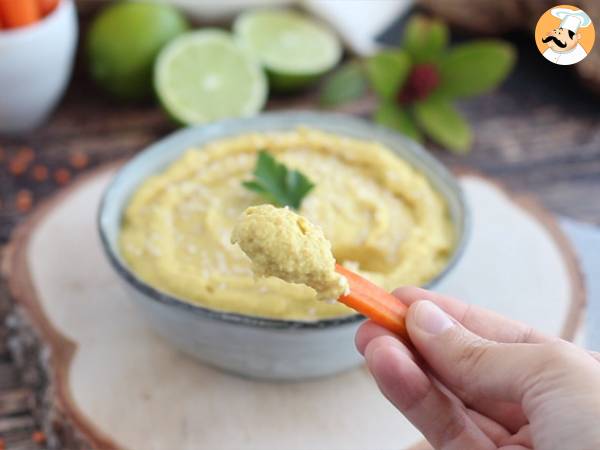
column 278, row 184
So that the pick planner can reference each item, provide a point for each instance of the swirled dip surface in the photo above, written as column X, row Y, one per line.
column 282, row 244
column 382, row 217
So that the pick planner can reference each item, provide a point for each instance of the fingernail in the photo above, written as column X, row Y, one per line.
column 431, row 319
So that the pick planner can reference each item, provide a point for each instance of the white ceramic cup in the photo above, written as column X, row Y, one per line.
column 35, row 66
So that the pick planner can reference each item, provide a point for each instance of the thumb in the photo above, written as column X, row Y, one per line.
column 468, row 362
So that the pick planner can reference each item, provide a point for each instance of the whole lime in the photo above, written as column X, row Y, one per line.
column 123, row 41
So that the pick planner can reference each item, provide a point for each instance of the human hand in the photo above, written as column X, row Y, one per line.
column 476, row 380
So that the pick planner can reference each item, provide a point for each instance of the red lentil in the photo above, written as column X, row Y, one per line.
column 40, row 172
column 79, row 160
column 24, row 200
column 38, row 437
column 62, row 176
column 17, row 166
column 26, row 154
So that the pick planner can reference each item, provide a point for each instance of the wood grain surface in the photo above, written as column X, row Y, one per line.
column 539, row 133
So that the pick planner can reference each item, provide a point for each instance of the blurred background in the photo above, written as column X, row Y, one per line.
column 88, row 82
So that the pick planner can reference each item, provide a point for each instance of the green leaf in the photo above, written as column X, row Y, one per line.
column 387, row 71
column 277, row 184
column 259, row 189
column 474, row 68
column 392, row 116
column 300, row 185
column 345, row 84
column 444, row 124
column 425, row 38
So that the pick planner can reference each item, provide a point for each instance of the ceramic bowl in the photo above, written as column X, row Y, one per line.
column 253, row 346
column 35, row 66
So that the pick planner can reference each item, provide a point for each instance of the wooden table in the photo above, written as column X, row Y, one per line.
column 540, row 133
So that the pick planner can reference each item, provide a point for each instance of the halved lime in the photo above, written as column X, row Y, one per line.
column 294, row 49
column 205, row 75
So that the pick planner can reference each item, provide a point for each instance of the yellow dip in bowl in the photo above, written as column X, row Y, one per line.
column 383, row 218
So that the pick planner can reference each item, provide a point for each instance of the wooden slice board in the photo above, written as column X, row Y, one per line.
column 125, row 388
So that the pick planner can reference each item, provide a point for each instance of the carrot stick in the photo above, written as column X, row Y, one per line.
column 374, row 302
column 18, row 13
column 47, row 6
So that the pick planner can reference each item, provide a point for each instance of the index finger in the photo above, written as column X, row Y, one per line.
column 481, row 321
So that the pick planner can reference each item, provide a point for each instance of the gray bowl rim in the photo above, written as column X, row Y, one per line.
column 298, row 116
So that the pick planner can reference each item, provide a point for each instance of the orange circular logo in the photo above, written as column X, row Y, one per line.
column 565, row 35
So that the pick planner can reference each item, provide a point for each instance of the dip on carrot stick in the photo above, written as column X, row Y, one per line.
column 285, row 245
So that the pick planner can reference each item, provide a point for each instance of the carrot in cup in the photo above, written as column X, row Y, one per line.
column 47, row 6
column 19, row 13
column 374, row 302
